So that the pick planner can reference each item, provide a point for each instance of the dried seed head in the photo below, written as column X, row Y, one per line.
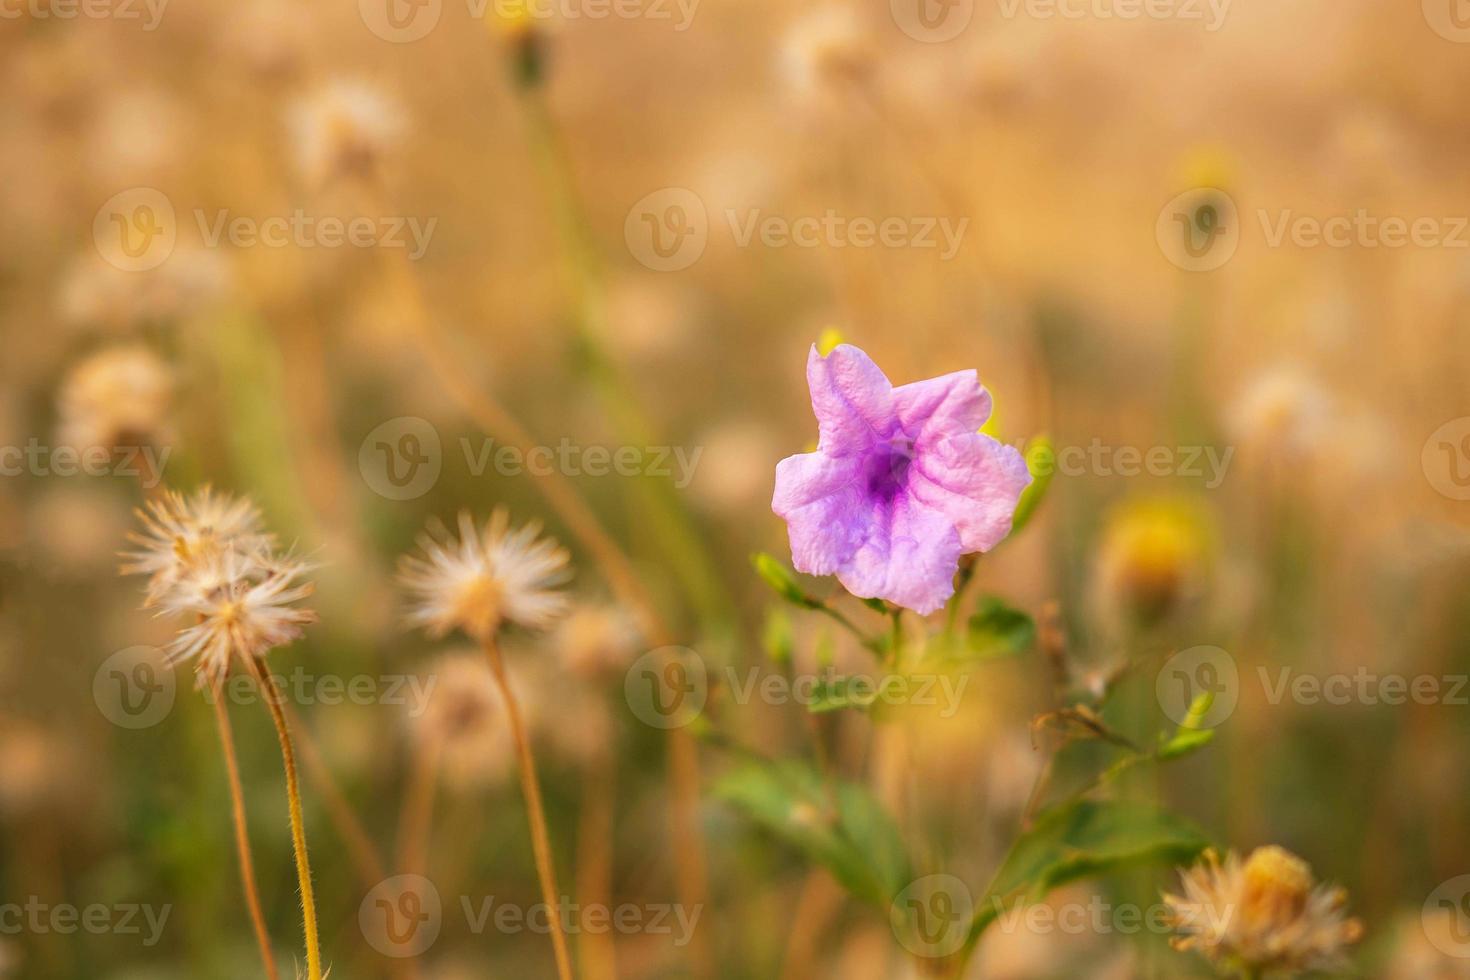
column 825, row 51
column 465, row 720
column 1266, row 914
column 344, row 130
column 242, row 609
column 596, row 639
column 184, row 537
column 479, row 581
column 118, row 398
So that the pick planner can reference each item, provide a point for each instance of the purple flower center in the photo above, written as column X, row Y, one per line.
column 888, row 467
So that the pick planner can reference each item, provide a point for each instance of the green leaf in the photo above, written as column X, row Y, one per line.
column 1185, row 742
column 837, row 693
column 841, row 827
column 996, row 630
column 1041, row 461
column 1190, row 736
column 1087, row 839
column 783, row 580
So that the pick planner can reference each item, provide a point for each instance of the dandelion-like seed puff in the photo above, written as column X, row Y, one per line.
column 208, row 561
column 117, row 398
column 184, row 536
column 480, row 580
column 344, row 130
column 243, row 606
column 1267, row 916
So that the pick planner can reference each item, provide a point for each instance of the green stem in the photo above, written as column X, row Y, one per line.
column 677, row 532
column 840, row 618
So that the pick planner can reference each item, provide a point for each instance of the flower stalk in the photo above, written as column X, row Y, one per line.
column 535, row 813
column 242, row 837
column 298, row 827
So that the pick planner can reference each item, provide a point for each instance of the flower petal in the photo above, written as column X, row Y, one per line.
column 827, row 518
column 909, row 558
column 951, row 404
column 975, row 482
column 851, row 397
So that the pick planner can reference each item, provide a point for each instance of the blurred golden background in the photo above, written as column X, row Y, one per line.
column 336, row 257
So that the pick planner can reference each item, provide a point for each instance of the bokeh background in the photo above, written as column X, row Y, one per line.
column 1116, row 184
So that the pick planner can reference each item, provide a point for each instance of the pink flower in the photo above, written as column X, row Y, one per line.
column 901, row 483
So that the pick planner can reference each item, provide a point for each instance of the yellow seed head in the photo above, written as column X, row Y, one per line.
column 1277, row 884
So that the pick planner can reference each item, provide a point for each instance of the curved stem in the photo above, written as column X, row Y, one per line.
column 418, row 809
column 691, row 878
column 359, row 844
column 298, row 829
column 594, row 870
column 242, row 838
column 540, row 842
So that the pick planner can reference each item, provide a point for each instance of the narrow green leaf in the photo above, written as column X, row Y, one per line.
column 1190, row 737
column 841, row 827
column 1041, row 461
column 837, row 693
column 783, row 580
column 1087, row 839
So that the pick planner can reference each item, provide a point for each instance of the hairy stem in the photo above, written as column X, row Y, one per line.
column 540, row 841
column 359, row 844
column 242, row 838
column 298, row 828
